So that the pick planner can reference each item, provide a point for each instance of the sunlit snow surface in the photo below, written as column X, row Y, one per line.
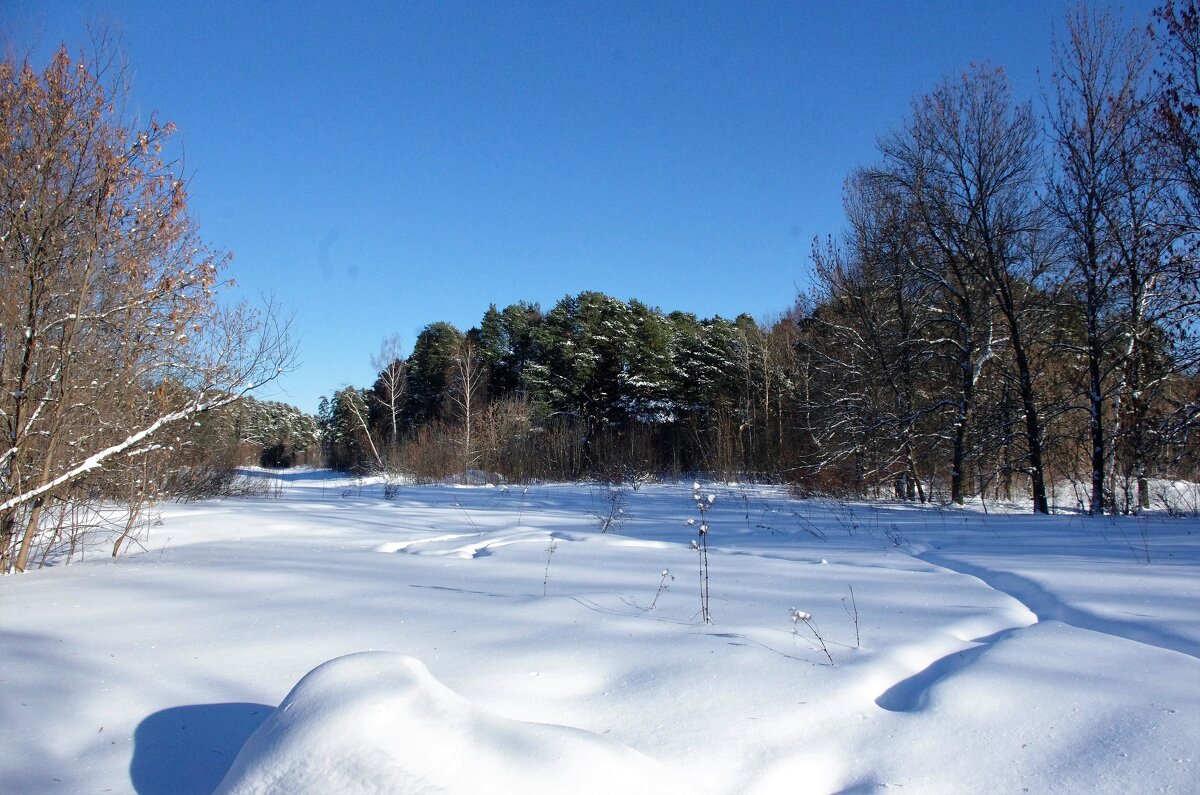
column 997, row 652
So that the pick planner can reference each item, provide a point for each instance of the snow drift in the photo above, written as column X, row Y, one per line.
column 380, row 722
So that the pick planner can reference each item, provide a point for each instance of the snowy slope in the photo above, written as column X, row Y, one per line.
column 994, row 653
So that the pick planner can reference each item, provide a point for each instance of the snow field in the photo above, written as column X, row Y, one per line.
column 998, row 652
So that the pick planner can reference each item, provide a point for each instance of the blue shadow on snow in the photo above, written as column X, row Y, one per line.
column 184, row 750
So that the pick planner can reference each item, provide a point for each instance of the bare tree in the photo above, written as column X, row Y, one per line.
column 969, row 157
column 360, row 413
column 1104, row 190
column 390, row 388
column 467, row 378
column 961, row 324
column 110, row 328
column 1178, row 111
column 873, row 344
column 1177, row 279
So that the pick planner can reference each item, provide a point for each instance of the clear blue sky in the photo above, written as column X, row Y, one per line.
column 380, row 166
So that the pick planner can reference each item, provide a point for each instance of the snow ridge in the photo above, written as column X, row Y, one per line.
column 1047, row 607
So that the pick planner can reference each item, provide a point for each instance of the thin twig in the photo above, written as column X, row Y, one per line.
column 854, row 615
column 549, row 554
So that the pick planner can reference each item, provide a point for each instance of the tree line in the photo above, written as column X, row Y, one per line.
column 1012, row 307
column 594, row 386
column 1046, row 272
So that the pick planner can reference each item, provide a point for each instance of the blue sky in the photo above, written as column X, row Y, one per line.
column 380, row 166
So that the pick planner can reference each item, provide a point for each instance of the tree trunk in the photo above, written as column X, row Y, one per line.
column 1096, row 427
column 35, row 518
column 1033, row 424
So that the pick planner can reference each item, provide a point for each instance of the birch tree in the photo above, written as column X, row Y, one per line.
column 465, row 392
column 388, row 393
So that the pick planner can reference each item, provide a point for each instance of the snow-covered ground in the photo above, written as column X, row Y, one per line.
column 526, row 651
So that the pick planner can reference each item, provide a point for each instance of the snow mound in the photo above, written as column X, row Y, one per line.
column 380, row 722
